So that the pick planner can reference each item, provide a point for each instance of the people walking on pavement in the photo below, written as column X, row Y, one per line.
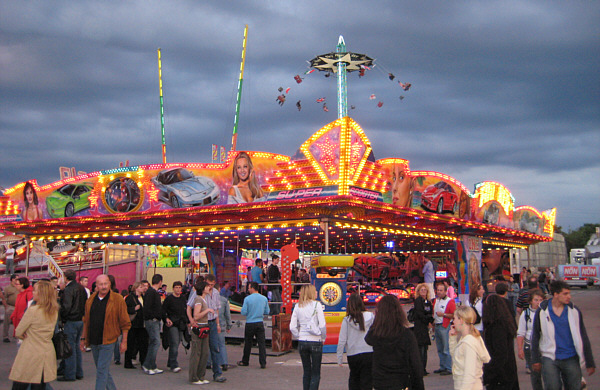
column 72, row 309
column 213, row 301
column 443, row 313
column 396, row 360
column 199, row 337
column 523, row 299
column 476, row 302
column 429, row 277
column 254, row 308
column 468, row 351
column 308, row 326
column 174, row 307
column 559, row 343
column 500, row 330
column 35, row 363
column 153, row 315
column 274, row 277
column 524, row 331
column 355, row 326
column 104, row 321
column 25, row 295
column 137, row 342
column 10, row 298
column 423, row 315
column 225, row 321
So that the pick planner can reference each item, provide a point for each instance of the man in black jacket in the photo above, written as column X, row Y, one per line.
column 72, row 309
column 274, row 276
column 153, row 314
column 174, row 308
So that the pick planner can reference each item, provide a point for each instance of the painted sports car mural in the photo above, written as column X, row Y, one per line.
column 178, row 187
column 440, row 197
column 68, row 200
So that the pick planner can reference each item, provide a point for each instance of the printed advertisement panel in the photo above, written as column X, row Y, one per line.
column 468, row 250
column 151, row 188
column 440, row 196
column 528, row 221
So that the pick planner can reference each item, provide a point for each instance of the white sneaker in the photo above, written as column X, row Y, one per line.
column 157, row 371
column 147, row 371
column 176, row 369
column 201, row 382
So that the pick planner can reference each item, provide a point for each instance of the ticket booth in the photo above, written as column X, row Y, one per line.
column 328, row 275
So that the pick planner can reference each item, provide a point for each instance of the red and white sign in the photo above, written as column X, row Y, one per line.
column 571, row 271
column 588, row 270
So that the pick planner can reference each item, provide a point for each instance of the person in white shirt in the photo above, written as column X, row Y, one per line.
column 536, row 296
column 468, row 350
column 354, row 328
column 308, row 325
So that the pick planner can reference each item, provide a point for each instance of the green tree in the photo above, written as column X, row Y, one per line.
column 578, row 238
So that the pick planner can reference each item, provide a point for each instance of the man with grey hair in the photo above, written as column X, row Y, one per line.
column 105, row 319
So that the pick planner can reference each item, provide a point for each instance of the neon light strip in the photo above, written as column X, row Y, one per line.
column 162, row 112
column 239, row 93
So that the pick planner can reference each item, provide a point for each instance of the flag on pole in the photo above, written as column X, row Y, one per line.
column 215, row 152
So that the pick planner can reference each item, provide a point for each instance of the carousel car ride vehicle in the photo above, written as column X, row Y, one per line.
column 378, row 267
column 371, row 296
column 68, row 200
column 440, row 197
column 179, row 187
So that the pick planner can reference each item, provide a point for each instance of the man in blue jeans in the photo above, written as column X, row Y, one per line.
column 559, row 341
column 105, row 319
column 174, row 307
column 72, row 309
column 153, row 314
column 443, row 310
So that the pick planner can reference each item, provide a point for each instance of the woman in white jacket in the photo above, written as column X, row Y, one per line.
column 355, row 326
column 468, row 351
column 308, row 325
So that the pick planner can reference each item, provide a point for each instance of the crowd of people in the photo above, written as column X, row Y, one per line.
column 475, row 340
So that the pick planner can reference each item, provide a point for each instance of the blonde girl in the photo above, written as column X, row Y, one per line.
column 308, row 325
column 469, row 353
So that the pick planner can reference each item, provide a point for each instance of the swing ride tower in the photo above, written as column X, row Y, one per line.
column 340, row 63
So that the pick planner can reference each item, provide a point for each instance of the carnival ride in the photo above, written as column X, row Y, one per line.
column 331, row 196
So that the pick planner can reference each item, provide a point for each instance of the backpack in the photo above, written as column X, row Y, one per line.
column 410, row 316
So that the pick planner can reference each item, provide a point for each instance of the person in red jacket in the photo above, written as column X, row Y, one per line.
column 443, row 313
column 25, row 295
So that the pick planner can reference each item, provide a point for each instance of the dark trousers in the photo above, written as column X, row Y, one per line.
column 255, row 329
column 137, row 341
column 361, row 371
column 311, row 354
column 423, row 352
column 26, row 386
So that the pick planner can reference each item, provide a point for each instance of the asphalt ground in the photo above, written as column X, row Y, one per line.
column 284, row 371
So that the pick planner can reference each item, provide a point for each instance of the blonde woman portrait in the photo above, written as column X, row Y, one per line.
column 245, row 186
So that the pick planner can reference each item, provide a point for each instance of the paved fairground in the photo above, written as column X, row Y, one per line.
column 285, row 371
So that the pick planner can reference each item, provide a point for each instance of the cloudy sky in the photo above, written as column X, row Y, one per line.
column 506, row 91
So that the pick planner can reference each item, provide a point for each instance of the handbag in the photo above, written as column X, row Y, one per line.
column 61, row 344
column 201, row 332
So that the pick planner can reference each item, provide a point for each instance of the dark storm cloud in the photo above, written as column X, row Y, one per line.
column 504, row 91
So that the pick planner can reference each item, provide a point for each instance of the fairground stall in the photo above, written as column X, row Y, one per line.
column 330, row 196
